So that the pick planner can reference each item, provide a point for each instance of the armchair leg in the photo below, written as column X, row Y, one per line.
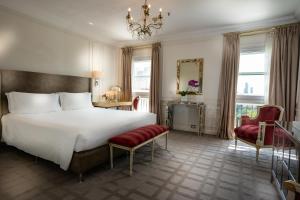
column 257, row 152
column 235, row 142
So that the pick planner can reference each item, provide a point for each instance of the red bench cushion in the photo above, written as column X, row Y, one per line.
column 138, row 136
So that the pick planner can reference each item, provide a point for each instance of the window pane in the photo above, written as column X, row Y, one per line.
column 254, row 62
column 251, row 85
column 141, row 72
column 141, row 84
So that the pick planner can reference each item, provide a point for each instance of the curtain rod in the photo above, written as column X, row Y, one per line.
column 142, row 46
column 265, row 30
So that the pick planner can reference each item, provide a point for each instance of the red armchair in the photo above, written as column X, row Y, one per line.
column 258, row 132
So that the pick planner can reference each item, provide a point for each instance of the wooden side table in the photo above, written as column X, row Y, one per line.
column 117, row 105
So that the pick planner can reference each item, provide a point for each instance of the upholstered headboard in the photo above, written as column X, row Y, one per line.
column 21, row 81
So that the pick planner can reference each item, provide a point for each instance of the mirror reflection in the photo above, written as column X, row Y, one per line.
column 189, row 76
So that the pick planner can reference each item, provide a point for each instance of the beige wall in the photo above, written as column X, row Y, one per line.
column 27, row 44
column 211, row 50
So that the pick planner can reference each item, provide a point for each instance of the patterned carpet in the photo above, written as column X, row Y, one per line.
column 193, row 168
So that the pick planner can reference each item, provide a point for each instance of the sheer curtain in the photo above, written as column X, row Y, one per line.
column 228, row 84
column 268, row 56
column 284, row 69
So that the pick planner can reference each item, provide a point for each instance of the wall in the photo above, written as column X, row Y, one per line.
column 29, row 45
column 298, row 96
column 211, row 50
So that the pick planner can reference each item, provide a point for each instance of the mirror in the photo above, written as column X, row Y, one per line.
column 190, row 75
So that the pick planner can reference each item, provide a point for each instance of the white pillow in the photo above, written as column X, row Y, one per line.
column 75, row 101
column 32, row 103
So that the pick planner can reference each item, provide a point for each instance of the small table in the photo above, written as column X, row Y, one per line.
column 117, row 105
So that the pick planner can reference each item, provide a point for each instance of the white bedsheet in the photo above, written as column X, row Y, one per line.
column 54, row 136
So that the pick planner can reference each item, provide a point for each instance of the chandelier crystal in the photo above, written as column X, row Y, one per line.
column 144, row 28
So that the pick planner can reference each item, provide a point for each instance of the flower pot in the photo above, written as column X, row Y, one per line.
column 184, row 98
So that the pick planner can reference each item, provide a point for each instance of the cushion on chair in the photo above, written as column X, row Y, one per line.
column 138, row 136
column 247, row 132
column 269, row 113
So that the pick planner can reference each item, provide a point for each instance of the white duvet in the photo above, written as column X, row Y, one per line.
column 54, row 136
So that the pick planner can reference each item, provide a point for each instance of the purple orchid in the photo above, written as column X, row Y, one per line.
column 193, row 83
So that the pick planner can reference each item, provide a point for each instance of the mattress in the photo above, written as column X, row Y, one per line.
column 54, row 136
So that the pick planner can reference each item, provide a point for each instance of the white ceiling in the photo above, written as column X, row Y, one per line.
column 108, row 16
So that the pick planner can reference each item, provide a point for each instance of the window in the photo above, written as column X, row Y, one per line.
column 251, row 80
column 141, row 73
column 252, row 83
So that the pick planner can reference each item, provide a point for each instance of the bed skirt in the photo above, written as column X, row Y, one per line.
column 86, row 160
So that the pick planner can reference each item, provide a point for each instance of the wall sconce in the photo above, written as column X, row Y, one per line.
column 97, row 75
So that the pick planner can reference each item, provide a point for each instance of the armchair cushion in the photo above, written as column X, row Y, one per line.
column 247, row 132
column 268, row 113
column 247, row 120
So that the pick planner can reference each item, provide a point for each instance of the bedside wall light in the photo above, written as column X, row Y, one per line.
column 97, row 75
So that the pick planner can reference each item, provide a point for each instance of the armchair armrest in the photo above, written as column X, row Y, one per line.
column 246, row 120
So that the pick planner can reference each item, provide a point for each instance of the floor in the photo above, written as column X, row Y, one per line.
column 192, row 168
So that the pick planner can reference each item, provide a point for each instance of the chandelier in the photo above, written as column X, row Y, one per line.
column 143, row 28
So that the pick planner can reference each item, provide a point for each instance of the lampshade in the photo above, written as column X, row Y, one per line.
column 97, row 74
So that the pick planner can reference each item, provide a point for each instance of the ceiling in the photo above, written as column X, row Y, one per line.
column 108, row 16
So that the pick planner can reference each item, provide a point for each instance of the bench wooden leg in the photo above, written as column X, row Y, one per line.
column 111, row 156
column 131, row 162
column 152, row 153
column 166, row 141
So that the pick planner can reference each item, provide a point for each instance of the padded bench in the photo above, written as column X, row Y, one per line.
column 137, row 138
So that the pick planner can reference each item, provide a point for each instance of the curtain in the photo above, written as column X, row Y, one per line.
column 154, row 101
column 284, row 69
column 126, row 67
column 228, row 84
column 268, row 56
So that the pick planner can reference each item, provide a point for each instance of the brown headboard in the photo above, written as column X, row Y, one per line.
column 21, row 81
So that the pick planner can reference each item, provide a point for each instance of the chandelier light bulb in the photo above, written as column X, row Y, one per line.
column 129, row 9
column 149, row 6
column 160, row 10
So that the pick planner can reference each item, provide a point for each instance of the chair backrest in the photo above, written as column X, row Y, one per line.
column 270, row 113
column 135, row 102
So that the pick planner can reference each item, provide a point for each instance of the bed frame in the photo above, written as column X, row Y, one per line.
column 21, row 81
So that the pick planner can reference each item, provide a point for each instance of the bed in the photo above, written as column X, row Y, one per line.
column 76, row 140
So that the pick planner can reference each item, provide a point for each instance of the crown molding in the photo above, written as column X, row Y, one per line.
column 204, row 34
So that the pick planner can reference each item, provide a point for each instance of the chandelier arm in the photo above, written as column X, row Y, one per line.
column 156, row 26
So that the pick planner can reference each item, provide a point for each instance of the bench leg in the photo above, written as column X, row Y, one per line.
column 167, row 141
column 152, row 153
column 131, row 162
column 111, row 150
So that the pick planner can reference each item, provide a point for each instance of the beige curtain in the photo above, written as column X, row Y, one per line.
column 284, row 69
column 228, row 84
column 154, row 100
column 126, row 67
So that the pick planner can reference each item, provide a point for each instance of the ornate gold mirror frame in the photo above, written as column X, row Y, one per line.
column 198, row 63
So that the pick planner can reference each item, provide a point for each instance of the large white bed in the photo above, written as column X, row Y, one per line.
column 55, row 136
